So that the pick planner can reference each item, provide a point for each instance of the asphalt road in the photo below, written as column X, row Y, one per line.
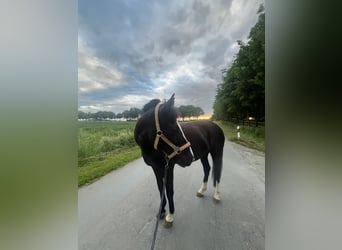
column 118, row 211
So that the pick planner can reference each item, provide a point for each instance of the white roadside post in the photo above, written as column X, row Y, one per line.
column 238, row 132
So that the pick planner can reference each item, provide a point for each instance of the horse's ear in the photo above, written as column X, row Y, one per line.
column 168, row 108
column 171, row 102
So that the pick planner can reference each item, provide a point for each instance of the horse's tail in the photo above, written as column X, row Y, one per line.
column 217, row 155
column 217, row 164
column 217, row 170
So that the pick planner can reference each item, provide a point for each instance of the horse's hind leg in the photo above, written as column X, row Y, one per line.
column 217, row 168
column 217, row 193
column 206, row 170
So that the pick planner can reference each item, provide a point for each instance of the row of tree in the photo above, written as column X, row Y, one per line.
column 190, row 111
column 133, row 113
column 242, row 92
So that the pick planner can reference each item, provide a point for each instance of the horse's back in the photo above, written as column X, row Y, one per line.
column 205, row 137
column 205, row 128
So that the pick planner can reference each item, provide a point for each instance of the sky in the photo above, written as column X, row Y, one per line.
column 130, row 52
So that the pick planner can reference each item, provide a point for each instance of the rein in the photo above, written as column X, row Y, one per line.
column 160, row 135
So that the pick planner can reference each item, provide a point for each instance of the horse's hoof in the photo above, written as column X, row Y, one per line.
column 168, row 224
column 199, row 194
column 216, row 199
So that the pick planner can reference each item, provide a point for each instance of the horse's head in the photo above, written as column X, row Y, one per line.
column 158, row 130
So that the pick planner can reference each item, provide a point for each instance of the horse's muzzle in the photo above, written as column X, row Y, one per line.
column 185, row 161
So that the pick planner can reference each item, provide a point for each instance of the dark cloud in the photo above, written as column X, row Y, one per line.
column 132, row 51
column 201, row 12
column 215, row 54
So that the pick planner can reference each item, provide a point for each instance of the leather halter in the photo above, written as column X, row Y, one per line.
column 160, row 134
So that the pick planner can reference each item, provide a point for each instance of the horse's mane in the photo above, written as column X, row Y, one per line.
column 150, row 105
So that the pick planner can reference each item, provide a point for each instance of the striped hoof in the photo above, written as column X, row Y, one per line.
column 199, row 194
column 168, row 224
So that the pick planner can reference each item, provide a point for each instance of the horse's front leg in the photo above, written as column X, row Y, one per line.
column 159, row 177
column 169, row 192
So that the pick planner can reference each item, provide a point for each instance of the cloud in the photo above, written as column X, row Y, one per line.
column 118, row 103
column 133, row 51
column 95, row 73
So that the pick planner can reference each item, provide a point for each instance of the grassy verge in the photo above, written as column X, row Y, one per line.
column 249, row 136
column 93, row 170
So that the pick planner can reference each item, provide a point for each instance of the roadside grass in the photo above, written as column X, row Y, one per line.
column 93, row 170
column 251, row 137
column 103, row 147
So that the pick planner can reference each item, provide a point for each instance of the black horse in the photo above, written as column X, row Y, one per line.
column 164, row 142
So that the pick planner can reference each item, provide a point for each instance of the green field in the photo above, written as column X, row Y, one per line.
column 103, row 147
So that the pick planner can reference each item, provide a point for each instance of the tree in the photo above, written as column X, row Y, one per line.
column 197, row 112
column 82, row 115
column 242, row 91
column 190, row 111
column 132, row 113
column 183, row 111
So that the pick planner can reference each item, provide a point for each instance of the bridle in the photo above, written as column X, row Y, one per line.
column 160, row 135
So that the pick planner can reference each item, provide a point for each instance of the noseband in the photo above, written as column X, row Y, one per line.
column 160, row 134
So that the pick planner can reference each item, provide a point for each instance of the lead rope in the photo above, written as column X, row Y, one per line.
column 161, row 205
